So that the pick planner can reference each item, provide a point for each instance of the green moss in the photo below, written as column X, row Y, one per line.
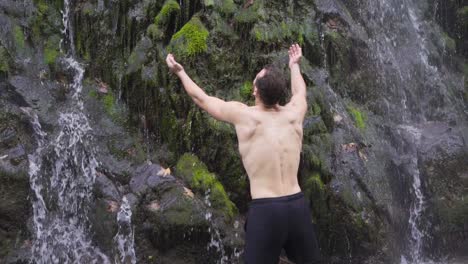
column 4, row 61
column 51, row 50
column 42, row 7
column 225, row 6
column 93, row 94
column 449, row 42
column 300, row 39
column 315, row 190
column 154, row 32
column 358, row 117
column 19, row 37
column 88, row 9
column 109, row 101
column 278, row 32
column 187, row 165
column 462, row 16
column 191, row 39
column 314, row 183
column 316, row 110
column 208, row 3
column 170, row 7
column 202, row 181
column 246, row 90
column 245, row 16
column 315, row 161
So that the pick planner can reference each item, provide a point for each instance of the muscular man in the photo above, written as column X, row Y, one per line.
column 270, row 140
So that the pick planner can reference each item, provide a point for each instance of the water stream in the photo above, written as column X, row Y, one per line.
column 62, row 173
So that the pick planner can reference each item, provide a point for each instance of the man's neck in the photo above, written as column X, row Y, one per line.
column 262, row 106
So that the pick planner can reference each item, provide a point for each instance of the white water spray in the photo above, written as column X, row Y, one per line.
column 124, row 239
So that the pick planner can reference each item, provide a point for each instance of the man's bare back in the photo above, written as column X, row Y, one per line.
column 270, row 137
column 270, row 144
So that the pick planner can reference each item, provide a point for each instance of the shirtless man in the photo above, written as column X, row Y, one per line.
column 270, row 141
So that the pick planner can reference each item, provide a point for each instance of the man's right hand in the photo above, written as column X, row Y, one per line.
column 173, row 65
column 295, row 54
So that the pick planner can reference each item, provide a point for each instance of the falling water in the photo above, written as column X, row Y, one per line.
column 417, row 233
column 216, row 242
column 124, row 239
column 62, row 173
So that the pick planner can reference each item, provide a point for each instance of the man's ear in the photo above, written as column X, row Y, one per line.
column 254, row 92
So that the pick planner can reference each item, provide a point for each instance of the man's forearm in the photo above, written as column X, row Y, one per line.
column 297, row 82
column 192, row 89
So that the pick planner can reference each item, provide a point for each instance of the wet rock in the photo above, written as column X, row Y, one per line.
column 175, row 223
column 7, row 136
column 15, row 209
column 107, row 187
column 17, row 155
column 148, row 176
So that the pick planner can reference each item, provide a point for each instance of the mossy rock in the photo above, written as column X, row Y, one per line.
column 315, row 190
column 171, row 8
column 4, row 61
column 449, row 43
column 196, row 174
column 51, row 50
column 453, row 215
column 139, row 55
column 191, row 39
column 246, row 90
column 275, row 32
column 462, row 16
column 19, row 37
column 226, row 7
column 154, row 32
column 187, row 165
column 246, row 16
column 358, row 117
column 46, row 21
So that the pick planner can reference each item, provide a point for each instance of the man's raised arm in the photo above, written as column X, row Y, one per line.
column 298, row 86
column 219, row 109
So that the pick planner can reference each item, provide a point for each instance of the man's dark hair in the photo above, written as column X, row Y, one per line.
column 272, row 86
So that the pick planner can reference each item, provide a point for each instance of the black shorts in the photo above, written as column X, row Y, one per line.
column 280, row 223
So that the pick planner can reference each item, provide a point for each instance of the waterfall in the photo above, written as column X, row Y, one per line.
column 62, row 173
column 402, row 53
column 417, row 234
column 124, row 239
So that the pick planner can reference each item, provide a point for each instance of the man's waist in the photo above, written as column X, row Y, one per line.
column 278, row 199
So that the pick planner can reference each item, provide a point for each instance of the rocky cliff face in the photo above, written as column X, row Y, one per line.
column 385, row 138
